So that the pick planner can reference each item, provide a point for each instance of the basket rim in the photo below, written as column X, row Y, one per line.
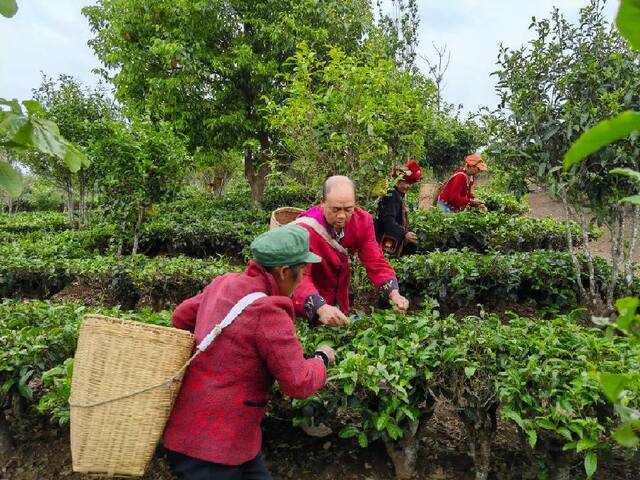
column 97, row 319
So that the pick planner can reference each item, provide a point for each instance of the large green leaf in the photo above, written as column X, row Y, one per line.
column 603, row 134
column 32, row 106
column 613, row 385
column 590, row 464
column 628, row 21
column 8, row 8
column 10, row 125
column 626, row 437
column 627, row 172
column 75, row 159
column 12, row 104
column 10, row 180
column 633, row 199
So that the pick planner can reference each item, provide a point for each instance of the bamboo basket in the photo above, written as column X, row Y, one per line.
column 125, row 379
column 284, row 215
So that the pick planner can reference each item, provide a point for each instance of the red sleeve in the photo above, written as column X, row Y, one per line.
column 303, row 291
column 370, row 253
column 278, row 344
column 184, row 316
column 455, row 192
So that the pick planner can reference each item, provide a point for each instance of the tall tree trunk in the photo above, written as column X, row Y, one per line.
column 574, row 258
column 617, row 239
column 68, row 191
column 592, row 273
column 633, row 243
column 255, row 171
column 82, row 179
column 136, row 230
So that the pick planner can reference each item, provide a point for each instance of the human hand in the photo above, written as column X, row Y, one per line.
column 328, row 351
column 332, row 316
column 411, row 237
column 399, row 303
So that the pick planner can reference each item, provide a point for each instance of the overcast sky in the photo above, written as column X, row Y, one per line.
column 51, row 36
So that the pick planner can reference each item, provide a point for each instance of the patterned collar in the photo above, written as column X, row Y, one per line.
column 338, row 236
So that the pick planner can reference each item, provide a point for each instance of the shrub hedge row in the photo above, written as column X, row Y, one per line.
column 389, row 371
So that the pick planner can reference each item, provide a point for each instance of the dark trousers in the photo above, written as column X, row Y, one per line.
column 189, row 468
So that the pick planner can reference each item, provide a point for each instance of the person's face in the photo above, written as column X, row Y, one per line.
column 403, row 187
column 338, row 206
column 288, row 279
column 473, row 170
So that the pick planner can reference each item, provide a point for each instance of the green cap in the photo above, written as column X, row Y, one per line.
column 283, row 246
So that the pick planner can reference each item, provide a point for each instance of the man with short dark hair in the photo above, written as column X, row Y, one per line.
column 337, row 230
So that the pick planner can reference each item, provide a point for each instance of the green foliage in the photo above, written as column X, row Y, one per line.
column 460, row 278
column 20, row 132
column 490, row 231
column 8, row 8
column 25, row 222
column 39, row 265
column 500, row 201
column 603, row 134
column 448, row 140
column 36, row 339
column 144, row 164
column 390, row 367
column 628, row 20
column 208, row 69
column 568, row 79
column 352, row 115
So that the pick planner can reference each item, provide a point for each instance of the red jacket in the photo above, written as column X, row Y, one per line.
column 224, row 394
column 457, row 191
column 330, row 278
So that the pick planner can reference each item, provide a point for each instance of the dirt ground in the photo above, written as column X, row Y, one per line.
column 43, row 453
column 541, row 205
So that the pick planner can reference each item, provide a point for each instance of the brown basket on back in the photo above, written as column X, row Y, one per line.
column 126, row 376
column 284, row 215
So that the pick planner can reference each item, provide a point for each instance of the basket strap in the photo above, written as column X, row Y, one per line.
column 235, row 311
column 320, row 230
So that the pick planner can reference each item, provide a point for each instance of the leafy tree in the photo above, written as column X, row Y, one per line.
column 353, row 115
column 207, row 67
column 138, row 164
column 20, row 131
column 448, row 140
column 398, row 31
column 83, row 116
column 568, row 79
column 615, row 385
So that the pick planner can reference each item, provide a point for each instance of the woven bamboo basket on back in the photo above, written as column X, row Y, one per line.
column 283, row 216
column 125, row 379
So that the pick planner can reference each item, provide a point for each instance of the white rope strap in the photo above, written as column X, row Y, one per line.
column 235, row 311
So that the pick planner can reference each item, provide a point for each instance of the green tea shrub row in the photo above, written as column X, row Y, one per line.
column 535, row 374
column 159, row 282
column 460, row 278
column 24, row 222
column 390, row 369
column 491, row 231
column 39, row 337
column 502, row 202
